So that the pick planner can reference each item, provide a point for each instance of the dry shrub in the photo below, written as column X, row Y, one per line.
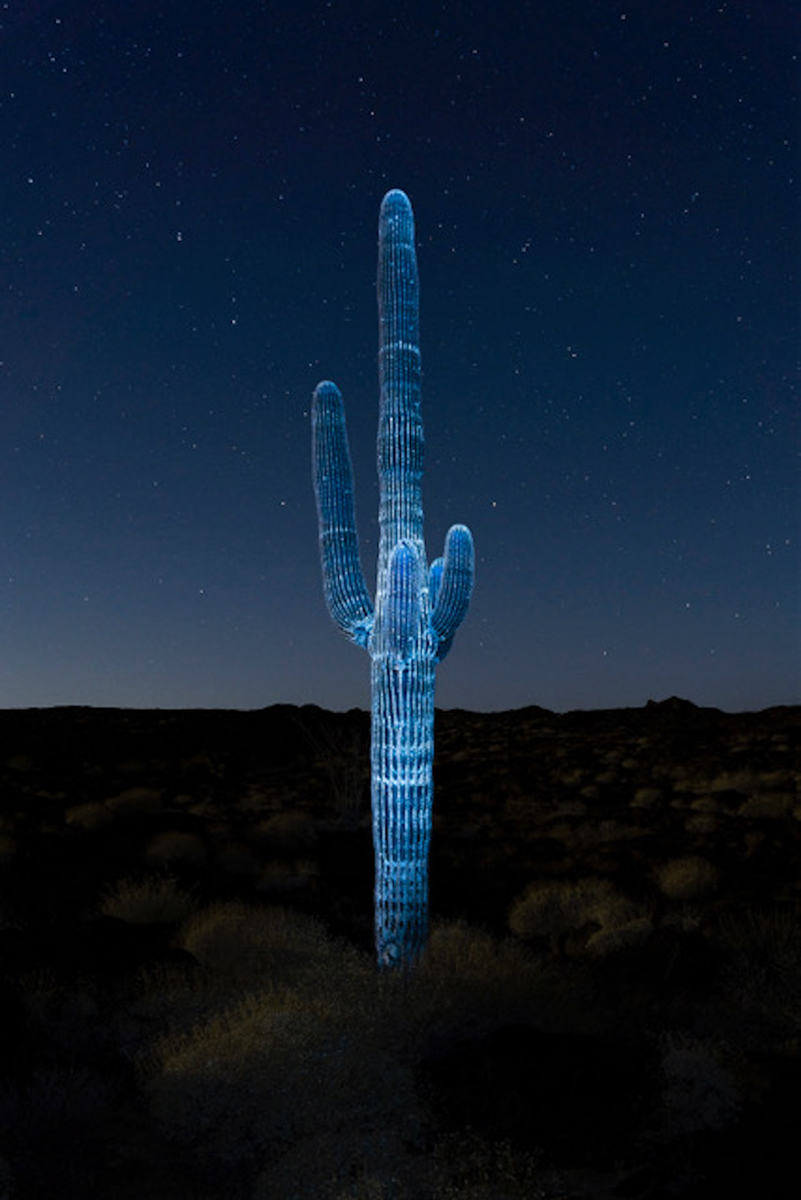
column 176, row 848
column 264, row 945
column 646, row 797
column 554, row 909
column 687, row 878
column 466, row 985
column 703, row 823
column 90, row 817
column 705, row 804
column 134, row 801
column 748, row 781
column 279, row 876
column 614, row 939
column 288, row 832
column 310, row 1076
column 762, row 972
column 768, row 804
column 609, row 831
column 149, row 901
column 276, row 1070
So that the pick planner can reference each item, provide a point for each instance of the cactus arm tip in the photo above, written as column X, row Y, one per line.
column 453, row 585
column 402, row 604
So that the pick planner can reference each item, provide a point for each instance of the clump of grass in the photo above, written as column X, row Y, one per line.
column 252, row 945
column 155, row 900
column 762, row 962
column 590, row 914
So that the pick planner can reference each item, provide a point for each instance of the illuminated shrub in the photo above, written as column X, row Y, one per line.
column 286, row 1068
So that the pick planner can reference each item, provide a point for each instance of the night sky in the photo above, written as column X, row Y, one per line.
column 608, row 246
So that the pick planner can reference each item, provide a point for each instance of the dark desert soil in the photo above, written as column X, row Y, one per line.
column 610, row 1005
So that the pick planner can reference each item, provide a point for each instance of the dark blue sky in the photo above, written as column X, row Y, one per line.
column 608, row 249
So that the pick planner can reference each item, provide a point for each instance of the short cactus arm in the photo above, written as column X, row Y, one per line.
column 343, row 579
column 451, row 585
column 402, row 605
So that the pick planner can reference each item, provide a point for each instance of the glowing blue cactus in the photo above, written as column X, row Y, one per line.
column 417, row 611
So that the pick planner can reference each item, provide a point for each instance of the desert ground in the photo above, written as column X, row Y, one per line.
column 609, row 1006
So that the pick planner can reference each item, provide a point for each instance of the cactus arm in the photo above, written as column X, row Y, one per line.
column 402, row 608
column 434, row 583
column 454, row 586
column 344, row 586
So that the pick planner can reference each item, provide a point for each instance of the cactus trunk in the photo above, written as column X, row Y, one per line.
column 402, row 757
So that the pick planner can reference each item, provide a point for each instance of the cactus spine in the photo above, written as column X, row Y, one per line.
column 417, row 610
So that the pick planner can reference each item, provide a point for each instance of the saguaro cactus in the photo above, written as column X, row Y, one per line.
column 410, row 627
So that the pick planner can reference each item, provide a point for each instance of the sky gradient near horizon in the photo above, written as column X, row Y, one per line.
column 605, row 196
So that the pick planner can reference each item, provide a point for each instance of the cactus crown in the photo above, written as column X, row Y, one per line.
column 417, row 610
